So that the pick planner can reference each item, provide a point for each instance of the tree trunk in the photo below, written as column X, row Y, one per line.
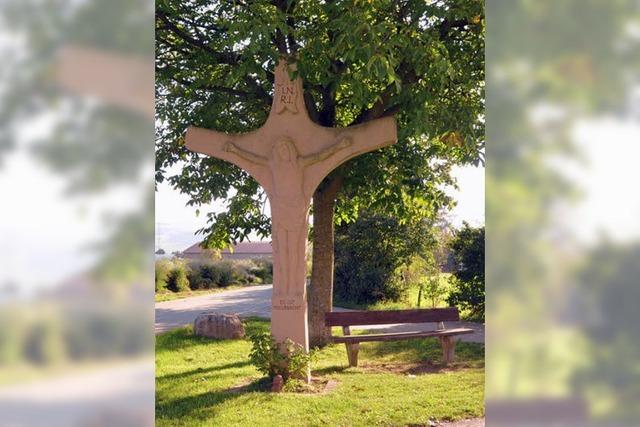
column 321, row 289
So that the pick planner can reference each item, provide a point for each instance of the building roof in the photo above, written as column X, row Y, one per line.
column 240, row 248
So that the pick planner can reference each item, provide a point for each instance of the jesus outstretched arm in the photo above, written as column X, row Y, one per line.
column 343, row 143
column 230, row 147
column 224, row 146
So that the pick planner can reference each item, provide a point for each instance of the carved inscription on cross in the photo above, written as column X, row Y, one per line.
column 286, row 95
column 289, row 156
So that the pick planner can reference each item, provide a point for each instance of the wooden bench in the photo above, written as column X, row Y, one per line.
column 347, row 319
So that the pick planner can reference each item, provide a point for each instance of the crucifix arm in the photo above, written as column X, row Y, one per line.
column 343, row 143
column 230, row 147
column 220, row 145
column 361, row 139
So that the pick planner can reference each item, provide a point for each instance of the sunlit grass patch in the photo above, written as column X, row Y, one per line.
column 210, row 382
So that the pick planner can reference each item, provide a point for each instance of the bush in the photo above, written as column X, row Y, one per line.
column 266, row 355
column 194, row 275
column 423, row 273
column 369, row 253
column 263, row 270
column 178, row 278
column 45, row 343
column 210, row 275
column 12, row 337
column 203, row 276
column 176, row 275
column 163, row 268
column 467, row 282
column 226, row 277
column 240, row 271
column 58, row 336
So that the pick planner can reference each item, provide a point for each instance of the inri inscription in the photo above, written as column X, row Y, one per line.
column 286, row 92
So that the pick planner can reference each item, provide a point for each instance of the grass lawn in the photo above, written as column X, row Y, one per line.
column 202, row 382
column 170, row 296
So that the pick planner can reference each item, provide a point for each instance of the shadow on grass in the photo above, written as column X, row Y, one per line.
column 330, row 370
column 177, row 409
column 204, row 370
column 200, row 405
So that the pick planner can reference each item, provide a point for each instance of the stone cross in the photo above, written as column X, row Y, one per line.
column 289, row 156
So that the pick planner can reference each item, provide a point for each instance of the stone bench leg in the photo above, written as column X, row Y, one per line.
column 448, row 349
column 352, row 353
column 352, row 348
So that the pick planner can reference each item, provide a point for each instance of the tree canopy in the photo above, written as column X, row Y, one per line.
column 421, row 61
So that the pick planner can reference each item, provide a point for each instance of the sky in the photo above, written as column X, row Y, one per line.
column 606, row 180
column 46, row 234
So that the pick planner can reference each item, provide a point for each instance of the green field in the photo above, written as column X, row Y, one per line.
column 202, row 382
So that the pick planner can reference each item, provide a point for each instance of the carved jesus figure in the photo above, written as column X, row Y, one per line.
column 289, row 205
column 289, row 156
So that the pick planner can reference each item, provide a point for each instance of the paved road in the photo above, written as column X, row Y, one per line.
column 251, row 301
column 256, row 301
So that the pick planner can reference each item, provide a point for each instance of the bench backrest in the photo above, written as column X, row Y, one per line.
column 385, row 317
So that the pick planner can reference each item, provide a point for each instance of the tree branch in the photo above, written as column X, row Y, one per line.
column 263, row 94
column 230, row 58
column 216, row 88
column 380, row 107
column 446, row 25
column 328, row 113
column 310, row 103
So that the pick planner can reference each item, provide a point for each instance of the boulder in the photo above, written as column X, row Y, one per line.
column 218, row 325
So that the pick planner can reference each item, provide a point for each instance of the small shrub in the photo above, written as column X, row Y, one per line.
column 268, row 358
column 434, row 289
column 210, row 274
column 253, row 280
column 226, row 274
column 249, row 272
column 423, row 272
column 195, row 278
column 467, row 281
column 12, row 337
column 45, row 343
column 207, row 284
column 178, row 278
column 262, row 269
column 163, row 268
column 241, row 270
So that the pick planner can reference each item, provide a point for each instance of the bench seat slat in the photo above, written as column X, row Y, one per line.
column 393, row 336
